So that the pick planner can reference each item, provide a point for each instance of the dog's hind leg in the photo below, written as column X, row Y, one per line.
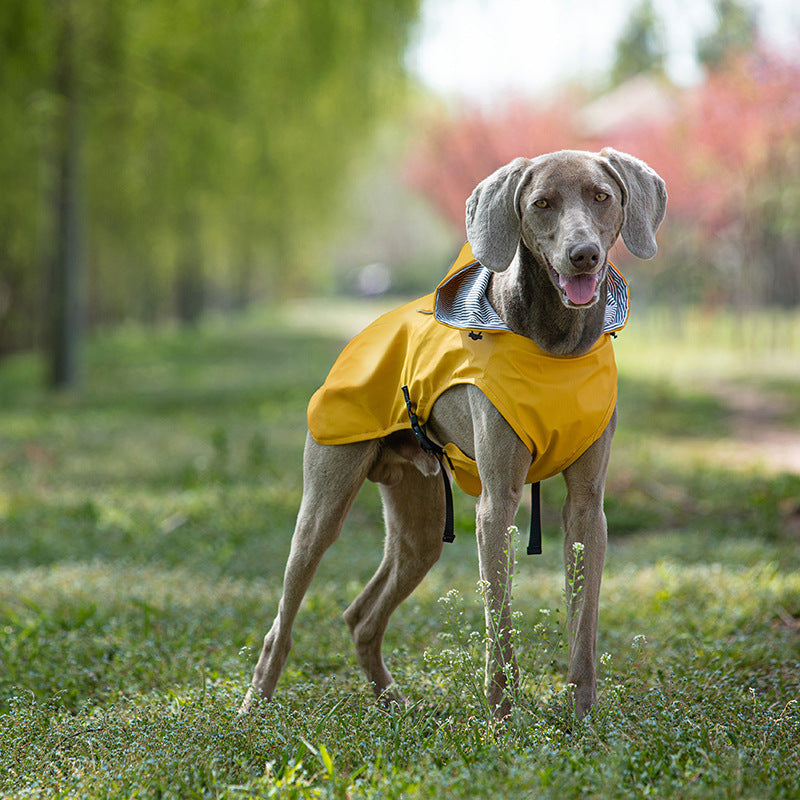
column 332, row 476
column 414, row 511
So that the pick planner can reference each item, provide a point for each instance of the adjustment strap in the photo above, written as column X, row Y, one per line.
column 431, row 447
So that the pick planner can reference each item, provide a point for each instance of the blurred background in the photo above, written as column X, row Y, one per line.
column 162, row 159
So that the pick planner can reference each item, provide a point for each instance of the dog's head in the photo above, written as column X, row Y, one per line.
column 567, row 208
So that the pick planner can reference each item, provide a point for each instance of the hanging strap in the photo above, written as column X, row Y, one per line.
column 535, row 535
column 431, row 447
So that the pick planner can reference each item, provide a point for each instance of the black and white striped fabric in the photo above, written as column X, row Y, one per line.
column 617, row 301
column 462, row 301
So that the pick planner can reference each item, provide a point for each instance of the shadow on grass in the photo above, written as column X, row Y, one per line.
column 213, row 370
column 648, row 407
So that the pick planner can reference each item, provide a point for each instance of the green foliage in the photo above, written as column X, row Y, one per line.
column 640, row 47
column 144, row 526
column 736, row 32
column 215, row 140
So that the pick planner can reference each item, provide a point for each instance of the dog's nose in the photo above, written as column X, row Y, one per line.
column 585, row 256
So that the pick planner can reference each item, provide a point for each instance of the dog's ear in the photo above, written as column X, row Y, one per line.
column 493, row 221
column 644, row 201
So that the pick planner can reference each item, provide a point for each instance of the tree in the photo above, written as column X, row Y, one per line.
column 743, row 129
column 729, row 151
column 27, row 114
column 640, row 47
column 65, row 305
column 210, row 142
column 457, row 151
column 736, row 33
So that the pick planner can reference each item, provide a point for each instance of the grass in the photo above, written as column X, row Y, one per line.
column 144, row 523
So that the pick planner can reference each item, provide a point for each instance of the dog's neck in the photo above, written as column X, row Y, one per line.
column 528, row 302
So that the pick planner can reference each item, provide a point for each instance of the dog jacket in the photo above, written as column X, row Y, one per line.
column 558, row 406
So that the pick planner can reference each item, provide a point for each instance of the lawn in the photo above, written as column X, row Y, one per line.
column 145, row 520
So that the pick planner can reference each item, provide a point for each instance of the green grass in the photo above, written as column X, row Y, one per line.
column 145, row 521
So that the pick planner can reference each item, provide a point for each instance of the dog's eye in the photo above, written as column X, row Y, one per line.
column 601, row 197
column 541, row 203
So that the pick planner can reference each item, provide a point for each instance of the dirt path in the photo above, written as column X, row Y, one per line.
column 760, row 428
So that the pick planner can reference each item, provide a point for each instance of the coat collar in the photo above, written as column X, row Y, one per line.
column 461, row 300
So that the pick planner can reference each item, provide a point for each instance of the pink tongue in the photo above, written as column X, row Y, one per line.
column 580, row 289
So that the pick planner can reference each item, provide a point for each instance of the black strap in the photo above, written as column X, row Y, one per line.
column 448, row 535
column 535, row 536
column 431, row 447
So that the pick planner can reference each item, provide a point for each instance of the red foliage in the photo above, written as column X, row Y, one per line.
column 458, row 153
column 721, row 139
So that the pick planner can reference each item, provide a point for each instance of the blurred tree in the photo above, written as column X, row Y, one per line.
column 65, row 306
column 456, row 152
column 640, row 47
column 735, row 33
column 214, row 140
column 742, row 136
column 27, row 114
column 731, row 158
column 729, row 150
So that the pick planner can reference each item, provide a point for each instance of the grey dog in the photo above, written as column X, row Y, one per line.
column 543, row 226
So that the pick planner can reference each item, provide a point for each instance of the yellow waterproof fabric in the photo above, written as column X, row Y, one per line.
column 557, row 406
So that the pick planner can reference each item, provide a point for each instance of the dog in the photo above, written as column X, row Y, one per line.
column 539, row 232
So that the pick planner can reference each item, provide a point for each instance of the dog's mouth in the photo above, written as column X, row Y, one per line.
column 579, row 291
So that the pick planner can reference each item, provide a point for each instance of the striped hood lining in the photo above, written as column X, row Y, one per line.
column 461, row 300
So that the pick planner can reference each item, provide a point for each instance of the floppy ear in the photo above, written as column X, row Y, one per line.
column 645, row 201
column 493, row 224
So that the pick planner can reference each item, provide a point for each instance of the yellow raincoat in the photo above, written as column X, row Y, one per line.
column 558, row 406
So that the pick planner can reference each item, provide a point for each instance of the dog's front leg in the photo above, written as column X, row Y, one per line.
column 496, row 558
column 503, row 467
column 584, row 556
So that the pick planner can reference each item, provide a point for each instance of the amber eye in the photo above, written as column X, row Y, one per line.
column 541, row 203
column 601, row 197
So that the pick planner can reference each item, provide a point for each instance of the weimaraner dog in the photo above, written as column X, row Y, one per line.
column 543, row 226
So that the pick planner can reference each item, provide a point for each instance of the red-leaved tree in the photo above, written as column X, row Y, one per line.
column 457, row 152
column 728, row 149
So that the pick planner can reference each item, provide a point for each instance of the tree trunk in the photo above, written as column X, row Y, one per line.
column 189, row 280
column 66, row 322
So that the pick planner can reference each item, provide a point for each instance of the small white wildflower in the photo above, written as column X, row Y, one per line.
column 577, row 548
column 639, row 641
column 605, row 659
column 450, row 597
column 545, row 611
